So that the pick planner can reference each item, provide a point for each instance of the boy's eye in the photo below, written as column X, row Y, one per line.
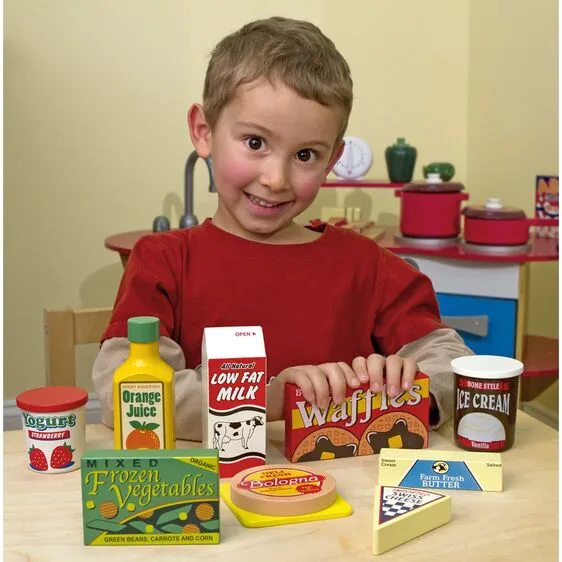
column 305, row 155
column 254, row 143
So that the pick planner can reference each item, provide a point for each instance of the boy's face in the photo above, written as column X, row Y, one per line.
column 271, row 150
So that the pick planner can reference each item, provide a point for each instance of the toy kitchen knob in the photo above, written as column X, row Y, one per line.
column 160, row 224
column 494, row 203
column 187, row 221
column 434, row 178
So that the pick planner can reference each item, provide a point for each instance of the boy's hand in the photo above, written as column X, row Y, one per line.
column 319, row 383
column 399, row 372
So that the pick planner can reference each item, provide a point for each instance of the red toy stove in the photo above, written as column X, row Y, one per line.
column 430, row 217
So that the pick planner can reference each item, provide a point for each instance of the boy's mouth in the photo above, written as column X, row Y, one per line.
column 263, row 202
column 264, row 208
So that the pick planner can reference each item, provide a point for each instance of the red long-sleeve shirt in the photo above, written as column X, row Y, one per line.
column 332, row 299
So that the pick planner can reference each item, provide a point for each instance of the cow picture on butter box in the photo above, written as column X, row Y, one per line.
column 363, row 424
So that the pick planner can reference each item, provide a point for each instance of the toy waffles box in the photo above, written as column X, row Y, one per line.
column 362, row 425
column 150, row 497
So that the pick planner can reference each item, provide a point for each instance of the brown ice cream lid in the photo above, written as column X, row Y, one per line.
column 433, row 184
column 493, row 209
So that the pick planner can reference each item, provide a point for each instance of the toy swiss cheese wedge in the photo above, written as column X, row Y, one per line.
column 402, row 514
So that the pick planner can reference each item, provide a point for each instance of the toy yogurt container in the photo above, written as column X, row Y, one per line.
column 54, row 427
column 486, row 388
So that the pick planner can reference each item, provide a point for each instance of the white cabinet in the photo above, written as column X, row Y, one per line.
column 479, row 299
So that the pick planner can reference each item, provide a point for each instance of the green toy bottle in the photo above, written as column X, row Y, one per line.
column 400, row 161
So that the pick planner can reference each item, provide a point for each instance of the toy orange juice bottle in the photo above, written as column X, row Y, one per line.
column 143, row 391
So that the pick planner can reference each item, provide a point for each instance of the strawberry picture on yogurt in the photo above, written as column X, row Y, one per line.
column 61, row 457
column 37, row 459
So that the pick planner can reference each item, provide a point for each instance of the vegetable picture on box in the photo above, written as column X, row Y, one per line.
column 363, row 424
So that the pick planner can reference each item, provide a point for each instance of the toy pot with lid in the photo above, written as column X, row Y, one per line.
column 431, row 209
column 493, row 224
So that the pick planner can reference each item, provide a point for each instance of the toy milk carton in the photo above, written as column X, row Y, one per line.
column 150, row 497
column 361, row 425
column 234, row 396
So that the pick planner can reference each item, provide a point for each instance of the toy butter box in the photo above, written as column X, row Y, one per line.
column 361, row 425
column 234, row 396
column 141, row 497
column 443, row 470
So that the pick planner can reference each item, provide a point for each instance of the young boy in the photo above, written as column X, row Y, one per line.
column 336, row 309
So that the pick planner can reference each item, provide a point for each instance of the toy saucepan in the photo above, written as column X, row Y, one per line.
column 493, row 224
column 431, row 209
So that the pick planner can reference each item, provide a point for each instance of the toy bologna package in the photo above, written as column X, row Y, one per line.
column 363, row 424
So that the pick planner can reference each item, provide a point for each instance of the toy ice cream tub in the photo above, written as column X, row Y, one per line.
column 486, row 388
column 54, row 427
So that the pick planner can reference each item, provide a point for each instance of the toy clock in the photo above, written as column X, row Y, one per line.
column 355, row 161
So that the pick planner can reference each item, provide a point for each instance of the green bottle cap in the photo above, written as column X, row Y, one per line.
column 143, row 329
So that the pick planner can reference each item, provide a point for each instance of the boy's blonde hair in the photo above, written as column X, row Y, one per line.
column 293, row 51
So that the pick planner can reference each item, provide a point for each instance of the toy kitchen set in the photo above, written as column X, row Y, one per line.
column 477, row 256
column 480, row 276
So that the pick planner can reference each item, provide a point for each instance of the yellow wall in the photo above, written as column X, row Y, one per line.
column 513, row 119
column 513, row 125
column 95, row 97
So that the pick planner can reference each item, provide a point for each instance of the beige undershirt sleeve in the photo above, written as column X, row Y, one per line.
column 434, row 353
column 113, row 353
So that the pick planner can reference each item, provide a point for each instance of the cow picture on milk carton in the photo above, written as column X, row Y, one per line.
column 234, row 396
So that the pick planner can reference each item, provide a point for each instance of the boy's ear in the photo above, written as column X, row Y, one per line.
column 335, row 157
column 199, row 130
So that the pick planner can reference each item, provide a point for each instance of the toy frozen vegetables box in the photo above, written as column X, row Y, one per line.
column 150, row 497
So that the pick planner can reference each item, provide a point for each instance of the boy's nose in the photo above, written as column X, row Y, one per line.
column 274, row 176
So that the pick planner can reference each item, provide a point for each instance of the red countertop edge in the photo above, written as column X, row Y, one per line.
column 539, row 249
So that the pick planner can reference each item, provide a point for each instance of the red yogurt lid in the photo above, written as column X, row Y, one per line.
column 52, row 399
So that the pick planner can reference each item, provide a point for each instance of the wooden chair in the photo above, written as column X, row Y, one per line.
column 65, row 329
column 540, row 358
